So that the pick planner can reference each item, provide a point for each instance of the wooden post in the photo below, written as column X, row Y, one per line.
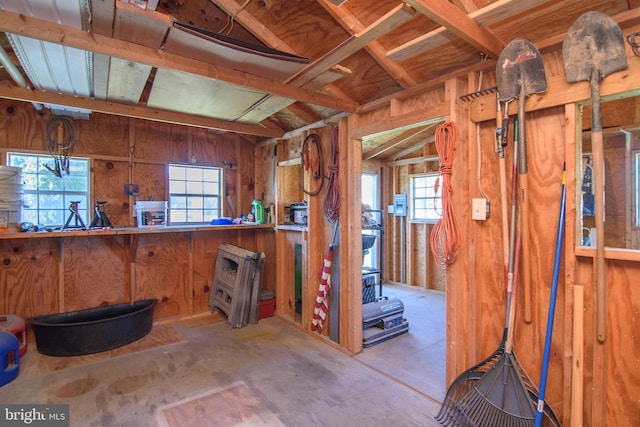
column 350, row 238
column 461, row 307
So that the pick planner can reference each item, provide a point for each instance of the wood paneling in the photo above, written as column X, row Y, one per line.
column 94, row 272
column 108, row 179
column 29, row 271
column 54, row 274
column 161, row 272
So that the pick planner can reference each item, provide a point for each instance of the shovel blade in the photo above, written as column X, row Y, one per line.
column 593, row 44
column 520, row 67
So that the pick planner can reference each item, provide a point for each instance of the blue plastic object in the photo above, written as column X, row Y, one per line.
column 552, row 308
column 221, row 221
column 9, row 357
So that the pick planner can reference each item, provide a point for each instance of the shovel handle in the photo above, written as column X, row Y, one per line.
column 523, row 169
column 598, row 188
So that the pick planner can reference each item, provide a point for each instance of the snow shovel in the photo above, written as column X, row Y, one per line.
column 592, row 49
column 520, row 73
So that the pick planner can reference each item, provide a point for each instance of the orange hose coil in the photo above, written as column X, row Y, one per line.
column 444, row 239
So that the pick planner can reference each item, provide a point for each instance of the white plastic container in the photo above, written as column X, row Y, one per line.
column 10, row 216
column 151, row 213
column 11, row 197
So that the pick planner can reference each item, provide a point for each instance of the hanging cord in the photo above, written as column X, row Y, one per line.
column 444, row 240
column 61, row 136
column 332, row 197
column 315, row 164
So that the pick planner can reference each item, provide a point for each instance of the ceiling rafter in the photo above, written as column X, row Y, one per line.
column 44, row 30
column 9, row 91
column 253, row 25
column 460, row 24
column 257, row 28
column 495, row 12
column 466, row 5
column 304, row 113
column 352, row 24
column 398, row 140
column 398, row 16
column 418, row 146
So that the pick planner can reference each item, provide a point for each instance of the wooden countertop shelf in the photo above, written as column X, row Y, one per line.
column 130, row 230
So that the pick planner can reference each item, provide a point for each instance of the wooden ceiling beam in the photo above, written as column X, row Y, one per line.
column 495, row 12
column 398, row 16
column 304, row 113
column 463, row 26
column 394, row 142
column 418, row 146
column 9, row 91
column 352, row 24
column 253, row 25
column 60, row 34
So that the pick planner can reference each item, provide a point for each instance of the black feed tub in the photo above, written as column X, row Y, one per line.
column 93, row 330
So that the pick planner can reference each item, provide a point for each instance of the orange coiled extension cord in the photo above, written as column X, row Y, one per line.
column 444, row 239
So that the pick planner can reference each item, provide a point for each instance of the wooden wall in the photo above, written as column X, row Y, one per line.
column 56, row 274
column 475, row 284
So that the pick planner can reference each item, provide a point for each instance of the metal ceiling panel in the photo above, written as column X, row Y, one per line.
column 177, row 91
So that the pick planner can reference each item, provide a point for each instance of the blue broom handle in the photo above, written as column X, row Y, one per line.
column 552, row 307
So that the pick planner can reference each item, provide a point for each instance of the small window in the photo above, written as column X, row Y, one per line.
column 426, row 203
column 637, row 188
column 194, row 194
column 47, row 197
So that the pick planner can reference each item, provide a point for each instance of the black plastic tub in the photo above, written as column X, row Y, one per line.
column 93, row 330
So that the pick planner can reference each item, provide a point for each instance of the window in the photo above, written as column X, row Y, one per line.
column 194, row 194
column 637, row 187
column 426, row 204
column 47, row 198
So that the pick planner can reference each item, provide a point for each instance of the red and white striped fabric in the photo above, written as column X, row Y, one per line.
column 322, row 306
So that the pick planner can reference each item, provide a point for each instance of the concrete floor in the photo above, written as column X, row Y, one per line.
column 278, row 375
column 416, row 358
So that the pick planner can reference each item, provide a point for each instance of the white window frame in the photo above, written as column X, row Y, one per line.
column 425, row 198
column 50, row 206
column 195, row 193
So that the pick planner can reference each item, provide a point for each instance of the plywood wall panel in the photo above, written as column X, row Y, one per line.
column 94, row 272
column 205, row 252
column 162, row 272
column 28, row 277
column 268, row 170
column 246, row 174
column 108, row 178
column 21, row 127
column 152, row 181
column 623, row 346
column 104, row 135
column 161, row 142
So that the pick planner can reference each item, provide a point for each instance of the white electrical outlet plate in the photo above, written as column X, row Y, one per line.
column 479, row 209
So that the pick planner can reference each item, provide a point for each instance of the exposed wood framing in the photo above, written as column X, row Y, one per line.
column 61, row 34
column 392, row 20
column 12, row 92
column 351, row 23
column 495, row 12
column 461, row 24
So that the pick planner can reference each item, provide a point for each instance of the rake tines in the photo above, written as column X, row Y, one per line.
column 465, row 382
column 502, row 394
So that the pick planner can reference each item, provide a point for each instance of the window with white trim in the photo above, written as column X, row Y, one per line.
column 47, row 197
column 425, row 201
column 195, row 194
